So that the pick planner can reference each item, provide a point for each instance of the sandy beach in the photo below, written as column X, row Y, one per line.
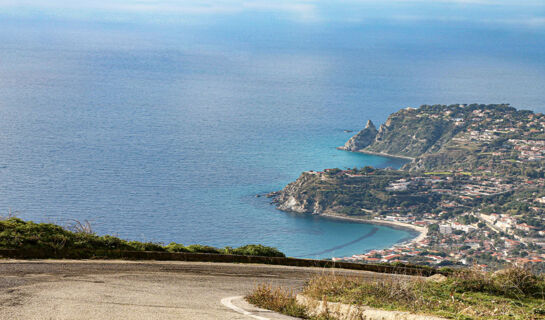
column 422, row 231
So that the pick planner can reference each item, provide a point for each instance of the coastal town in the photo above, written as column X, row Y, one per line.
column 471, row 237
column 474, row 190
column 450, row 242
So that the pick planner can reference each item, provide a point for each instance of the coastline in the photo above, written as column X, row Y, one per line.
column 422, row 231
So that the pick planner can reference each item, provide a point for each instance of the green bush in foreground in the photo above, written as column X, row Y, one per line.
column 16, row 233
column 255, row 250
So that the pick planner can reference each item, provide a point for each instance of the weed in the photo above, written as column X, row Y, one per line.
column 514, row 293
column 281, row 300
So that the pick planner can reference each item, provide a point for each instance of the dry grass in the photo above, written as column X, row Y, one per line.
column 81, row 227
column 277, row 299
column 514, row 293
column 10, row 214
column 355, row 290
column 281, row 300
column 519, row 282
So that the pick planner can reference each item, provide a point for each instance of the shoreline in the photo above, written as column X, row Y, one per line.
column 422, row 231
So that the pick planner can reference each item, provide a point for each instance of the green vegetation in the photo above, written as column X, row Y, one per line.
column 509, row 294
column 277, row 299
column 254, row 250
column 478, row 172
column 514, row 293
column 367, row 194
column 407, row 133
column 16, row 233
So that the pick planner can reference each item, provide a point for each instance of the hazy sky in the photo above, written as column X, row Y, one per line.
column 522, row 13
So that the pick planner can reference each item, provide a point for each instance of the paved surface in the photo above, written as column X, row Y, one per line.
column 50, row 289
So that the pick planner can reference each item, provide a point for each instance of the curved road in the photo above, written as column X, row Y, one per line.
column 99, row 289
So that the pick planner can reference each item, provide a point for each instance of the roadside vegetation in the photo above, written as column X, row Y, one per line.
column 514, row 293
column 281, row 300
column 19, row 234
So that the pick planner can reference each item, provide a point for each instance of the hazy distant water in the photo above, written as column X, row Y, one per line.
column 164, row 129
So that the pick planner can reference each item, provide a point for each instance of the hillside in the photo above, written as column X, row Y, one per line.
column 477, row 181
column 441, row 136
column 411, row 132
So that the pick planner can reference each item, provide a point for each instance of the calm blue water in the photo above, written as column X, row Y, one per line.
column 162, row 122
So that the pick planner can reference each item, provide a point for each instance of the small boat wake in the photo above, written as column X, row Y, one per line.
column 369, row 234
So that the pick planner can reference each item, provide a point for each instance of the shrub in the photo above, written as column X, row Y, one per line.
column 176, row 247
column 256, row 250
column 514, row 293
column 514, row 282
column 16, row 234
column 146, row 246
column 279, row 299
column 471, row 280
column 198, row 248
column 519, row 281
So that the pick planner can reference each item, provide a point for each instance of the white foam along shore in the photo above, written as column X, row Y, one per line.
column 422, row 231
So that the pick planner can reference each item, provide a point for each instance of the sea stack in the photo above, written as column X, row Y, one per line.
column 362, row 139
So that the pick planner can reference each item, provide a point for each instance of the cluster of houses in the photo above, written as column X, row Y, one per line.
column 476, row 237
column 508, row 224
column 467, row 188
column 492, row 237
column 529, row 150
column 526, row 149
column 456, row 243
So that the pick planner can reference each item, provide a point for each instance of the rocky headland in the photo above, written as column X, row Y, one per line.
column 476, row 182
column 362, row 139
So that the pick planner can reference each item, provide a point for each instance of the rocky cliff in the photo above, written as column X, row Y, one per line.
column 300, row 196
column 335, row 191
column 412, row 132
column 409, row 132
column 455, row 138
column 362, row 139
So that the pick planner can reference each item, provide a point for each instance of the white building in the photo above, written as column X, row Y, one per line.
column 445, row 229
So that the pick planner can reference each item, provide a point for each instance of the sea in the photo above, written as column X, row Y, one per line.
column 169, row 121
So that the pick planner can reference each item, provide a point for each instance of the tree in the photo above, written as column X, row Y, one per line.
column 433, row 227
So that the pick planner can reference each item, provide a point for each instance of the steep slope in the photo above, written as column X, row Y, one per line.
column 292, row 199
column 412, row 132
column 353, row 192
column 362, row 139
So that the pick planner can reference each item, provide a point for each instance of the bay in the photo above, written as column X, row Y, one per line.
column 164, row 126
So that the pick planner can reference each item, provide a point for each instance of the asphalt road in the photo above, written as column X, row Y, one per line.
column 65, row 289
